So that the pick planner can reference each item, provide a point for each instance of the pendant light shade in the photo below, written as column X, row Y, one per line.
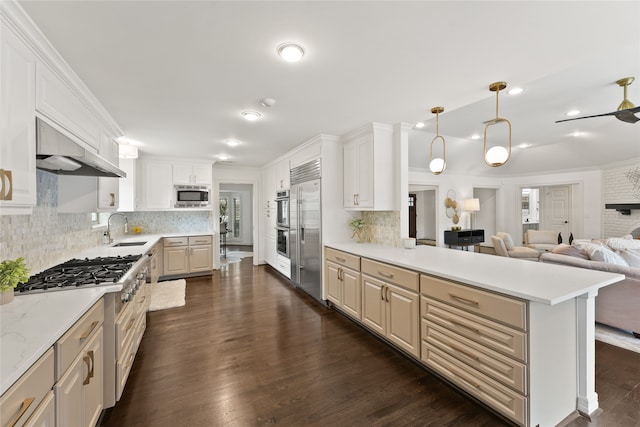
column 497, row 155
column 437, row 164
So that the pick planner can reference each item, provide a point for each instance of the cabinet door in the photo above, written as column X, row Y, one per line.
column 364, row 171
column 158, row 185
column 200, row 258
column 108, row 192
column 182, row 173
column 403, row 322
column 176, row 260
column 271, row 252
column 92, row 389
column 332, row 273
column 349, row 174
column 351, row 292
column 202, row 174
column 17, row 127
column 282, row 175
column 68, row 391
column 373, row 304
column 45, row 414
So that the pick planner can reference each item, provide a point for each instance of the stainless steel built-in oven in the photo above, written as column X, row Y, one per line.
column 282, row 208
column 282, row 241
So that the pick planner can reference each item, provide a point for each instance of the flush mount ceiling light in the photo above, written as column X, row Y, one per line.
column 437, row 164
column 497, row 155
column 252, row 116
column 290, row 52
column 267, row 102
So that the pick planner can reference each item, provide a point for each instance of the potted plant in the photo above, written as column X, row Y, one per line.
column 357, row 225
column 12, row 272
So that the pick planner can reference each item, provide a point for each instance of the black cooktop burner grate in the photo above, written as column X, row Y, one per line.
column 80, row 273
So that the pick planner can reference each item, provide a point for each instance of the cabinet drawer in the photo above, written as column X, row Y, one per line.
column 201, row 240
column 69, row 346
column 343, row 258
column 22, row 399
column 125, row 361
column 175, row 241
column 509, row 372
column 506, row 401
column 503, row 309
column 125, row 324
column 389, row 273
column 495, row 336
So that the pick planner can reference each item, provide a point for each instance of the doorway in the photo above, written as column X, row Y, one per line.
column 412, row 215
column 548, row 208
column 423, row 213
column 235, row 202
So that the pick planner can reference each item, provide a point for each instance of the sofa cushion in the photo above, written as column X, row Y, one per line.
column 524, row 252
column 632, row 257
column 570, row 250
column 506, row 238
column 598, row 252
column 542, row 236
column 620, row 243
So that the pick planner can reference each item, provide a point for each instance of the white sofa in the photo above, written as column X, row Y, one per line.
column 503, row 245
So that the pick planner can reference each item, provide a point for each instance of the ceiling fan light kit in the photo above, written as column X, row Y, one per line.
column 626, row 111
column 497, row 155
column 437, row 164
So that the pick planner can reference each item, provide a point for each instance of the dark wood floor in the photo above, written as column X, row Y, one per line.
column 248, row 350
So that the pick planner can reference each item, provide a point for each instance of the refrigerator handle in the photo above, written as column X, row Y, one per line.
column 302, row 234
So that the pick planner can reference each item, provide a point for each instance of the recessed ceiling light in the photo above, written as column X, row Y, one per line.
column 290, row 52
column 223, row 157
column 475, row 136
column 232, row 143
column 524, row 145
column 515, row 91
column 573, row 113
column 251, row 115
column 419, row 125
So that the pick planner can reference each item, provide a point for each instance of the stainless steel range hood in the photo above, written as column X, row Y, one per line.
column 57, row 153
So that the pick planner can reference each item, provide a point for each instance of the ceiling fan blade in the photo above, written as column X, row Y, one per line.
column 624, row 115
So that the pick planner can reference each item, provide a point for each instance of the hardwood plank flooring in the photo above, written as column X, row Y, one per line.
column 248, row 350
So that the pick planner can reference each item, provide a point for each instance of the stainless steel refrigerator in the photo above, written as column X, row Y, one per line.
column 305, row 224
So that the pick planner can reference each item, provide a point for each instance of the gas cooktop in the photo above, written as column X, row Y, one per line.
column 77, row 273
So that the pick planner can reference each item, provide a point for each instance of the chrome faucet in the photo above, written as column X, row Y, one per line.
column 108, row 232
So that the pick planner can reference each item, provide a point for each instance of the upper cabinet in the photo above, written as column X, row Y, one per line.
column 155, row 185
column 17, row 124
column 282, row 175
column 368, row 168
column 192, row 174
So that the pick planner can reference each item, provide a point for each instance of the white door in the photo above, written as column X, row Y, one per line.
column 558, row 210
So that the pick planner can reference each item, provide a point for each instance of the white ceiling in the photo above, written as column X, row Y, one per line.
column 176, row 75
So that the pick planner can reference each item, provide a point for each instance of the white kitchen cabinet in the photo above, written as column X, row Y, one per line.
column 57, row 101
column 83, row 194
column 283, row 265
column 109, row 148
column 155, row 189
column 391, row 305
column 192, row 174
column 17, row 126
column 271, row 252
column 368, row 169
column 175, row 260
column 127, row 186
column 282, row 175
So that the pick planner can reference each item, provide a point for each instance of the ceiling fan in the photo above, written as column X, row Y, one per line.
column 626, row 110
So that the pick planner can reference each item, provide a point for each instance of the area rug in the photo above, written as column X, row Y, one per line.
column 617, row 337
column 168, row 294
column 234, row 256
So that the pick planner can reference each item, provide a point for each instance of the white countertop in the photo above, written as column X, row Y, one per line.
column 32, row 323
column 533, row 281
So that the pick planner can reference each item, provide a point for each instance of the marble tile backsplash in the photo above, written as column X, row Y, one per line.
column 382, row 227
column 46, row 237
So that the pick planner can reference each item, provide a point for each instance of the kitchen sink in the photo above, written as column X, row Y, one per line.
column 128, row 244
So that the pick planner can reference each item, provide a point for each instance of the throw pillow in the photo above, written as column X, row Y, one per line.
column 506, row 238
column 632, row 257
column 602, row 253
column 574, row 251
column 620, row 243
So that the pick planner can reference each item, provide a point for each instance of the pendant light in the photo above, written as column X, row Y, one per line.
column 497, row 155
column 437, row 165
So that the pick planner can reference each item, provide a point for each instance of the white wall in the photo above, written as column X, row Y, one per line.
column 486, row 218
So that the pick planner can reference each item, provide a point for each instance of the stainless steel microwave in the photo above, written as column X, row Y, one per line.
column 192, row 196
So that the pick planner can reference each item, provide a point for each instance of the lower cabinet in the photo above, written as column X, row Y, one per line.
column 29, row 400
column 187, row 255
column 342, row 281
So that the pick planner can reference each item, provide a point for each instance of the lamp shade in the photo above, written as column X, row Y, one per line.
column 472, row 205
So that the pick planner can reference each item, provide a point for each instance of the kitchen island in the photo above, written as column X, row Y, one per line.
column 538, row 321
